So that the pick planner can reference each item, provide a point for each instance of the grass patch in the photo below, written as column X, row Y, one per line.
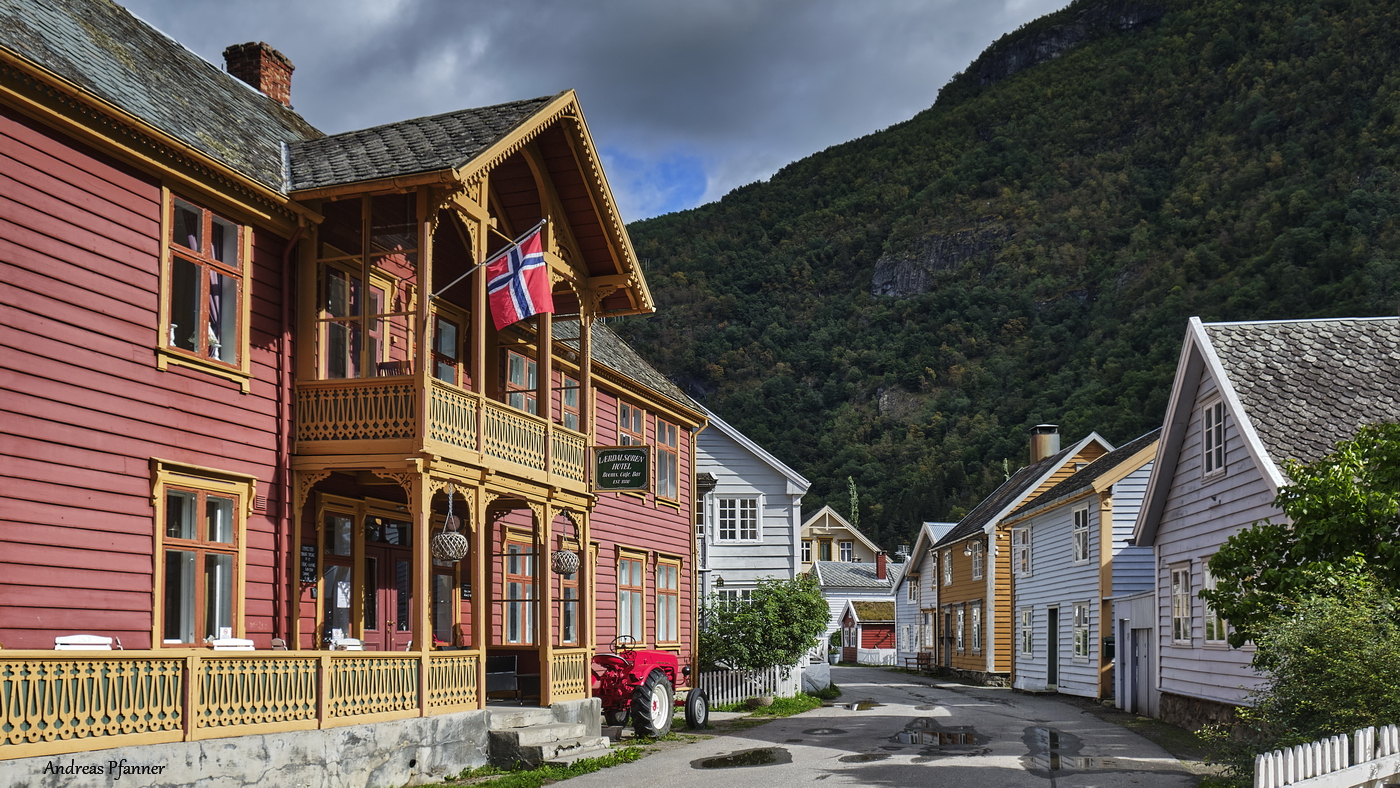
column 496, row 777
column 785, row 707
column 830, row 692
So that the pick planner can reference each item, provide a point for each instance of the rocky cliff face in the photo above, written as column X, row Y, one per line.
column 909, row 274
column 1047, row 39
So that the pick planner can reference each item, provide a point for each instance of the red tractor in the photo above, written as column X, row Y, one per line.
column 642, row 685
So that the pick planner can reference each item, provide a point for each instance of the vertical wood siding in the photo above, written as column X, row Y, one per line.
column 1199, row 515
column 86, row 408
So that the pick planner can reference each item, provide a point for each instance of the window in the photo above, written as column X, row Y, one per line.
column 1081, row 630
column 913, row 582
column 1213, row 437
column 961, row 627
column 903, row 637
column 738, row 520
column 631, row 425
column 199, row 575
column 824, row 550
column 927, row 634
column 521, row 383
column 338, row 531
column 1214, row 625
column 1021, row 551
column 668, row 602
column 568, row 403
column 977, row 628
column 977, row 560
column 631, row 599
column 848, row 551
column 447, row 343
column 1026, row 623
column 806, row 551
column 1080, row 535
column 667, row 461
column 1181, row 604
column 947, row 567
column 204, row 285
column 520, row 593
column 568, row 606
column 734, row 596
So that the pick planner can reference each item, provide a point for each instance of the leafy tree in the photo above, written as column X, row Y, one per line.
column 1345, row 505
column 1333, row 666
column 775, row 626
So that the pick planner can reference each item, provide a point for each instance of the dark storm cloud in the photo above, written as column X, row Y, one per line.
column 687, row 100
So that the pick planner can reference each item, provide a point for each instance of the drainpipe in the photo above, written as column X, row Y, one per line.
column 283, row 471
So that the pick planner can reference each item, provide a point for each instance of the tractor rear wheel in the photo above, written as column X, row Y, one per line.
column 653, row 704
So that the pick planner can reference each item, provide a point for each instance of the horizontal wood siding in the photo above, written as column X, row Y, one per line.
column 85, row 407
column 1199, row 515
column 877, row 636
column 641, row 523
column 1056, row 580
column 1132, row 565
column 739, row 473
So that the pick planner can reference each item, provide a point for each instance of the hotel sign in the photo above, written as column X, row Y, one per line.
column 622, row 468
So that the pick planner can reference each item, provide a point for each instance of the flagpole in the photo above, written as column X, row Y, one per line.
column 493, row 258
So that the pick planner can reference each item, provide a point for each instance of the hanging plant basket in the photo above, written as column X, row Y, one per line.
column 563, row 562
column 449, row 546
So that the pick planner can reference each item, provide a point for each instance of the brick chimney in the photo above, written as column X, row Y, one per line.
column 262, row 67
column 880, row 573
column 1045, row 441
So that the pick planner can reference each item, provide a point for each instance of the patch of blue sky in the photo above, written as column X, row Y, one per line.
column 647, row 185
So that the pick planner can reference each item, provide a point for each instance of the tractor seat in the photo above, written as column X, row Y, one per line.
column 610, row 660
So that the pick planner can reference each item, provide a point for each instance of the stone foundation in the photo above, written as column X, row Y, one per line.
column 415, row 751
column 1193, row 713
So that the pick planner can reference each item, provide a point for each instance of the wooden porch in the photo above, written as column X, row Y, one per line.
column 64, row 702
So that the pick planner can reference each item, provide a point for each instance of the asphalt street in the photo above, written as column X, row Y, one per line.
column 894, row 729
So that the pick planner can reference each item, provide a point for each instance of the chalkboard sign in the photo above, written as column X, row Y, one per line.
column 622, row 468
column 308, row 563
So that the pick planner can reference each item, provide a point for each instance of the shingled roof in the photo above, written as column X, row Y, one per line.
column 408, row 147
column 856, row 574
column 1307, row 384
column 1085, row 477
column 611, row 351
column 1020, row 483
column 106, row 51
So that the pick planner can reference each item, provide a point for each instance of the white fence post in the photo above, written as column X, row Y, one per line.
column 733, row 686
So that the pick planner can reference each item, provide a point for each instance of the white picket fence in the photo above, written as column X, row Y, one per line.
column 1368, row 756
column 724, row 687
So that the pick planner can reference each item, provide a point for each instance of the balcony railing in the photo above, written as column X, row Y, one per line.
column 333, row 413
column 52, row 704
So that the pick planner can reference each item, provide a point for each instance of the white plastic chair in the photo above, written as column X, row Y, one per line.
column 349, row 644
column 232, row 644
column 84, row 643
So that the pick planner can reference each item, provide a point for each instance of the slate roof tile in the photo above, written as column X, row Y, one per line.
column 1019, row 484
column 1307, row 384
column 613, row 352
column 857, row 574
column 1086, row 476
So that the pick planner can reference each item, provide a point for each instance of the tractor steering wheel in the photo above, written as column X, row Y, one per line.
column 623, row 644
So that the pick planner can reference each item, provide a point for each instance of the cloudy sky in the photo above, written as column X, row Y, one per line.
column 687, row 99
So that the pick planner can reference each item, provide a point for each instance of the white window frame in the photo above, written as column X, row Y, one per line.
column 947, row 567
column 913, row 582
column 962, row 628
column 1079, row 537
column 1081, row 631
column 926, row 631
column 903, row 637
column 978, row 560
column 1180, row 578
column 718, row 505
column 1213, row 438
column 1026, row 621
column 847, row 551
column 1214, row 629
column 806, row 551
column 976, row 625
column 1021, row 551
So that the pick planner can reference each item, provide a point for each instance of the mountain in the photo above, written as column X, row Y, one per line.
column 899, row 309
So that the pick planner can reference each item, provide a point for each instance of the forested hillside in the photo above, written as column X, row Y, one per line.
column 900, row 308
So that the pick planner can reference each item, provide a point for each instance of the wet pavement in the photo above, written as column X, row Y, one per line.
column 894, row 729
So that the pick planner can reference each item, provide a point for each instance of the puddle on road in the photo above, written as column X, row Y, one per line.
column 824, row 732
column 928, row 733
column 1057, row 751
column 864, row 705
column 865, row 757
column 764, row 756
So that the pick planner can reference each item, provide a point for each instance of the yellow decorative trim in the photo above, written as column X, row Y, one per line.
column 165, row 358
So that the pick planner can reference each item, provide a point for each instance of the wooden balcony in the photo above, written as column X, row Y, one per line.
column 382, row 416
column 65, row 702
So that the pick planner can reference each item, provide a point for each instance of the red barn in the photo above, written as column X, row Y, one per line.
column 252, row 391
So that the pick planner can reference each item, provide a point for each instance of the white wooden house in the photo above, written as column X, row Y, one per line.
column 1246, row 397
column 1069, row 551
column 752, row 515
column 916, row 596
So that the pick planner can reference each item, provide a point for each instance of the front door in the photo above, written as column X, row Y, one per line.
column 947, row 637
column 1052, row 650
column 1142, row 666
column 388, row 599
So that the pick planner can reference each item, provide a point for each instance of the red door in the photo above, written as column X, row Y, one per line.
column 388, row 598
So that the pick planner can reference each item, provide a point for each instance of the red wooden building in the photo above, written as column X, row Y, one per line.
column 245, row 383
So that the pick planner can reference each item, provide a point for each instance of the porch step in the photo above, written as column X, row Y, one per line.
column 531, row 737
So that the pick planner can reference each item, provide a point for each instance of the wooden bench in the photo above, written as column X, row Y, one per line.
column 922, row 662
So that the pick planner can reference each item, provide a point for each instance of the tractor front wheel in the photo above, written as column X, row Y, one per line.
column 697, row 709
column 653, row 703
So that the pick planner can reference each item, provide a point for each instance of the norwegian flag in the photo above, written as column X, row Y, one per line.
column 517, row 282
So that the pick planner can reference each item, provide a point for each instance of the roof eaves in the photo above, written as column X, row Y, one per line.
column 758, row 451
